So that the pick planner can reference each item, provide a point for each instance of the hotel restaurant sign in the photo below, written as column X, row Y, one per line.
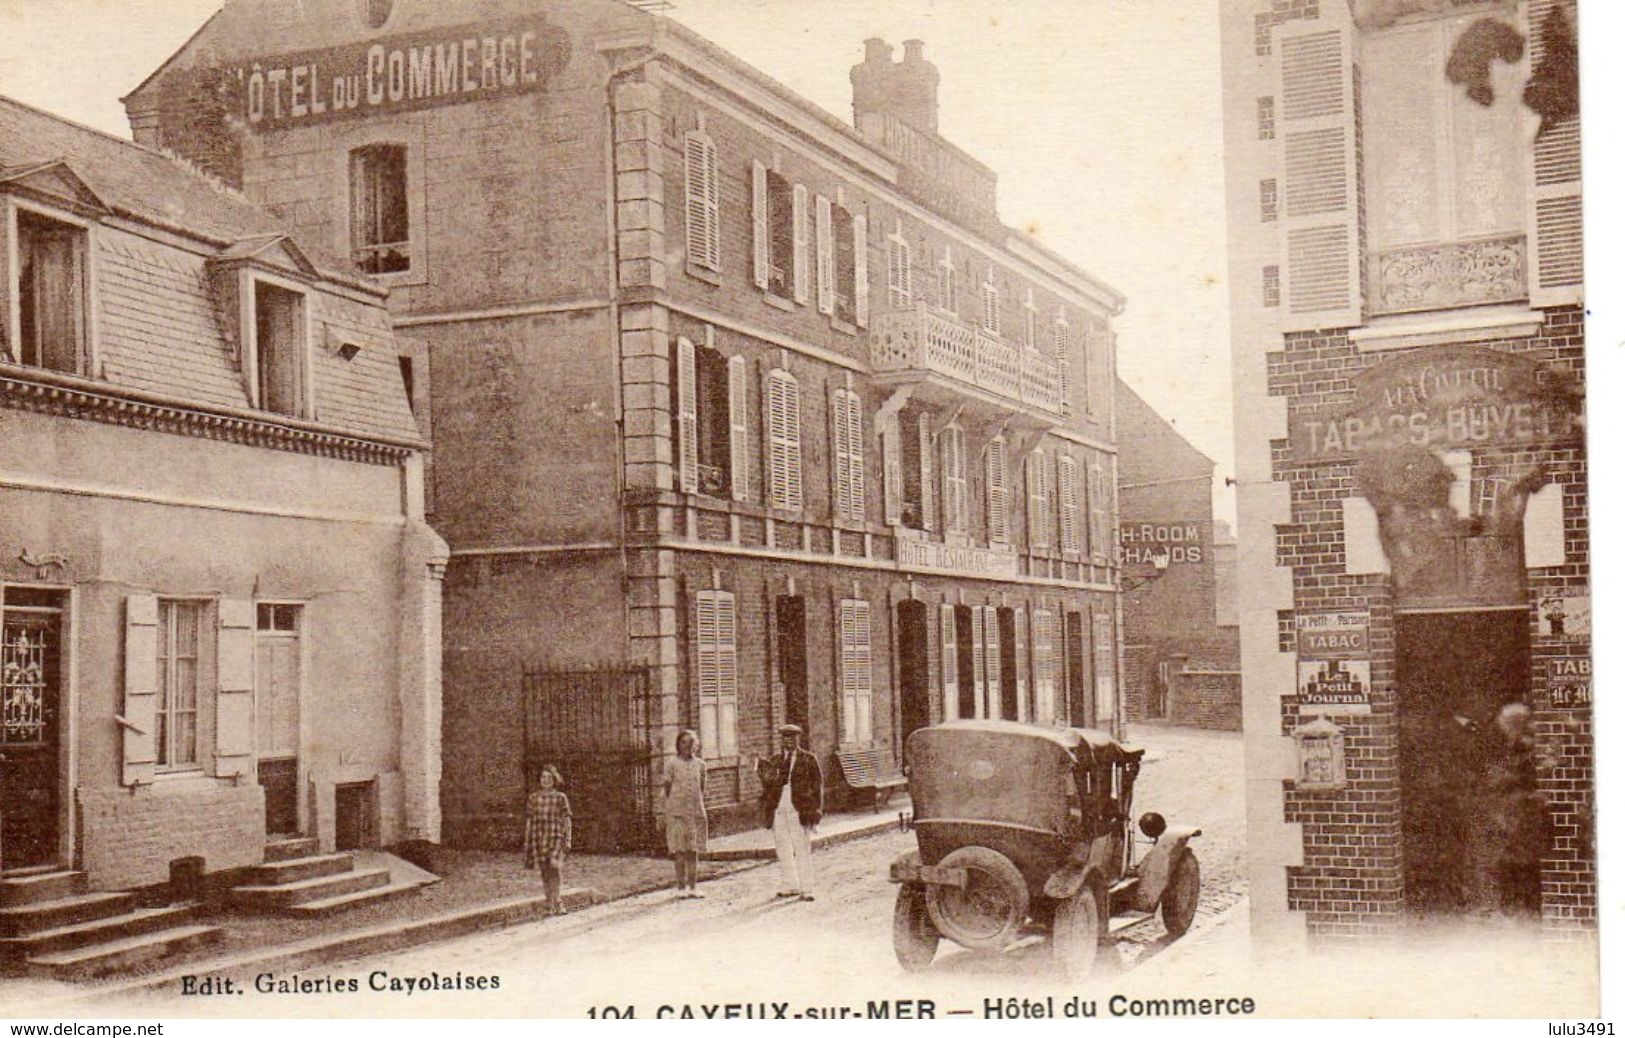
column 1444, row 398
column 398, row 73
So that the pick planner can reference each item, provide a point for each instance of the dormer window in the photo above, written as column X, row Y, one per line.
column 380, row 233
column 279, row 349
column 50, row 294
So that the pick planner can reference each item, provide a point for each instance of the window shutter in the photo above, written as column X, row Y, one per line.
column 990, row 306
column 998, row 493
column 1066, row 472
column 1320, row 237
column 761, row 245
column 713, row 207
column 738, row 428
column 234, row 701
column 950, row 663
column 978, row 656
column 857, row 724
column 840, row 468
column 727, row 688
column 783, row 407
column 857, row 489
column 891, row 456
column 1555, row 252
column 800, row 229
column 140, row 733
column 688, row 420
column 990, row 653
column 1043, row 667
column 955, row 517
column 928, row 504
column 1099, row 533
column 860, row 269
column 1022, row 711
column 826, row 256
column 899, row 273
column 706, row 676
column 701, row 198
column 1063, row 362
column 1037, row 501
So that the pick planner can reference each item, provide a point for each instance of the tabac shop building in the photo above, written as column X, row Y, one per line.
column 741, row 413
column 1404, row 194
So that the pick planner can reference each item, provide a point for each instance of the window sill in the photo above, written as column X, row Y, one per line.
column 705, row 274
column 1446, row 326
column 842, row 327
column 181, row 783
column 778, row 302
column 402, row 278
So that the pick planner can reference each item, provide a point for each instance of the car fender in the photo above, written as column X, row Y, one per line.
column 1158, row 865
column 1066, row 881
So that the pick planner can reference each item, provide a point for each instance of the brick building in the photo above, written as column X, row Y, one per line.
column 1180, row 660
column 769, row 409
column 1404, row 195
column 219, row 599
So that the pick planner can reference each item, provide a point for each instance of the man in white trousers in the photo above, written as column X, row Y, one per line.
column 792, row 806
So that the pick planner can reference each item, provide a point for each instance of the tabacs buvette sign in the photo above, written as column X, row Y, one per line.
column 399, row 73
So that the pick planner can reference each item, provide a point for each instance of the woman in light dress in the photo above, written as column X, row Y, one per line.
column 685, row 812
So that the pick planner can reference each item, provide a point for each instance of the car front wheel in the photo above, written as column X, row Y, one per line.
column 1181, row 895
column 1080, row 927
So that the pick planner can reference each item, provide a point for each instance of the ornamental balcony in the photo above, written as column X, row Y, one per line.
column 949, row 362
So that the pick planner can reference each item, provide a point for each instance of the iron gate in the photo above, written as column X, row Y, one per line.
column 593, row 725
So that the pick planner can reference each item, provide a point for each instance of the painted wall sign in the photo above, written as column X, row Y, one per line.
column 1568, row 679
column 1334, row 636
column 928, row 555
column 1334, row 686
column 1444, row 398
column 1139, row 542
column 399, row 73
column 1566, row 617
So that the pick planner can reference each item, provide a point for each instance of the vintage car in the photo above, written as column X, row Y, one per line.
column 1023, row 828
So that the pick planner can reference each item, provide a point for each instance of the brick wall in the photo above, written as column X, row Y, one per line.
column 1207, row 699
column 129, row 840
column 1351, row 879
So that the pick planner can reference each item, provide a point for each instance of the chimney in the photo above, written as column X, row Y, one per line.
column 906, row 89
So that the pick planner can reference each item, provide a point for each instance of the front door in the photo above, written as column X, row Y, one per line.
column 30, row 727
column 791, row 614
column 276, row 684
column 913, row 666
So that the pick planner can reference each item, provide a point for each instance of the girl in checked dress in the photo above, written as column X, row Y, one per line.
column 547, row 833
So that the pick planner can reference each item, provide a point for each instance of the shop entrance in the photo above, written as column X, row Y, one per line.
column 1453, row 672
column 913, row 666
column 277, row 683
column 30, row 726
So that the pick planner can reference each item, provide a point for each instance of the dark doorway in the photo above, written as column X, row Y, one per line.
column 354, row 807
column 913, row 666
column 30, row 727
column 969, row 648
column 1008, row 693
column 790, row 612
column 1453, row 673
column 1079, row 695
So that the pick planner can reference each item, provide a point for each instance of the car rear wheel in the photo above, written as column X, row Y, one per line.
column 1080, row 927
column 991, row 907
column 1180, row 896
column 913, row 937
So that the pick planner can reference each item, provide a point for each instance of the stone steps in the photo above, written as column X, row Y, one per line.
column 97, row 960
column 344, row 902
column 292, row 870
column 278, row 896
column 41, row 883
column 290, row 847
column 20, row 920
column 89, row 932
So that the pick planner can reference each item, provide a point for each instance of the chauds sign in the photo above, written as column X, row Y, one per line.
column 400, row 73
column 1445, row 398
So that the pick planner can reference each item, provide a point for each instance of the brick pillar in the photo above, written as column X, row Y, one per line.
column 423, row 571
column 652, row 604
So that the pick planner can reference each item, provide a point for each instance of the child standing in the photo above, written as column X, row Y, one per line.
column 685, row 812
column 547, row 833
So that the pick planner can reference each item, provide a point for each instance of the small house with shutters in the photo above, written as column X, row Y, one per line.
column 219, row 601
column 743, row 413
column 1408, row 342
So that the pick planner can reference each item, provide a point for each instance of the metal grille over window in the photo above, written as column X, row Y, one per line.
column 783, row 406
column 857, row 681
column 717, row 685
column 25, row 657
column 380, row 235
column 702, row 194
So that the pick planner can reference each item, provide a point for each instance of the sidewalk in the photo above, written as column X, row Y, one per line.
column 757, row 844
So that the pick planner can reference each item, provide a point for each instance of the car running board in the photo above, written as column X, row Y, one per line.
column 1126, row 920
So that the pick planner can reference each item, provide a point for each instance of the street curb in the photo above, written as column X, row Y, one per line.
column 880, row 824
column 1194, row 941
column 388, row 937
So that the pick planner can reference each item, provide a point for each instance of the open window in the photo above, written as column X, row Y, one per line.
column 781, row 236
column 52, row 325
column 380, row 231
column 279, row 349
column 846, row 295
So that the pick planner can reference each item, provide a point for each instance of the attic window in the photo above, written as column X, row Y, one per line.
column 279, row 349
column 51, row 293
column 379, row 229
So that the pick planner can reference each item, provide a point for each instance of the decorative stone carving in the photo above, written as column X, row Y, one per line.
column 1380, row 14
column 1440, row 277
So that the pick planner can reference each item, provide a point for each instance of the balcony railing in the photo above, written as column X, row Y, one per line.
column 925, row 339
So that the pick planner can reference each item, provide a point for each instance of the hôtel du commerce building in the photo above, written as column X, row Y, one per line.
column 742, row 414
